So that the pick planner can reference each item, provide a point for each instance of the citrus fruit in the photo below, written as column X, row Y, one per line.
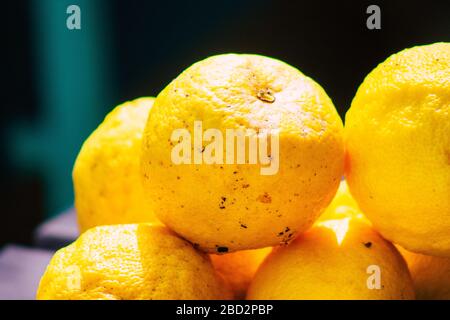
column 224, row 194
column 336, row 259
column 431, row 275
column 342, row 206
column 106, row 175
column 136, row 261
column 398, row 148
column 238, row 268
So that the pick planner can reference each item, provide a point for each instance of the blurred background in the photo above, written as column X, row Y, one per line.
column 60, row 83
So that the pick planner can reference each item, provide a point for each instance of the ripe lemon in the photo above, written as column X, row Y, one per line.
column 130, row 262
column 342, row 206
column 229, row 206
column 106, row 175
column 431, row 275
column 238, row 268
column 398, row 148
column 335, row 259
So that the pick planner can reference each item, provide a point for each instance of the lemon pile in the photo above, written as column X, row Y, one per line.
column 158, row 227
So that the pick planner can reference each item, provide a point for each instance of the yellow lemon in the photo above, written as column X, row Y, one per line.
column 398, row 148
column 106, row 175
column 238, row 268
column 241, row 152
column 136, row 261
column 335, row 259
column 342, row 206
column 431, row 275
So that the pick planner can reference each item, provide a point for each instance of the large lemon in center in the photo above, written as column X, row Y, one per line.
column 241, row 152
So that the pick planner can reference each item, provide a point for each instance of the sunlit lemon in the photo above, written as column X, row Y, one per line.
column 238, row 268
column 224, row 195
column 106, row 175
column 343, row 205
column 398, row 148
column 336, row 259
column 131, row 262
column 431, row 275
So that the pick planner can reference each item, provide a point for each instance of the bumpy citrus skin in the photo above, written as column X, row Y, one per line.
column 130, row 262
column 228, row 207
column 106, row 175
column 238, row 268
column 398, row 148
column 431, row 275
column 330, row 261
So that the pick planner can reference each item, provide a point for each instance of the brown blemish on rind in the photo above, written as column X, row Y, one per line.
column 368, row 244
column 266, row 96
column 222, row 249
column 287, row 235
column 222, row 202
column 264, row 198
column 447, row 153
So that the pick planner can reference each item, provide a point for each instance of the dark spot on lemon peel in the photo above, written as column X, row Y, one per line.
column 264, row 198
column 368, row 244
column 222, row 202
column 243, row 226
column 266, row 96
column 447, row 153
column 222, row 249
